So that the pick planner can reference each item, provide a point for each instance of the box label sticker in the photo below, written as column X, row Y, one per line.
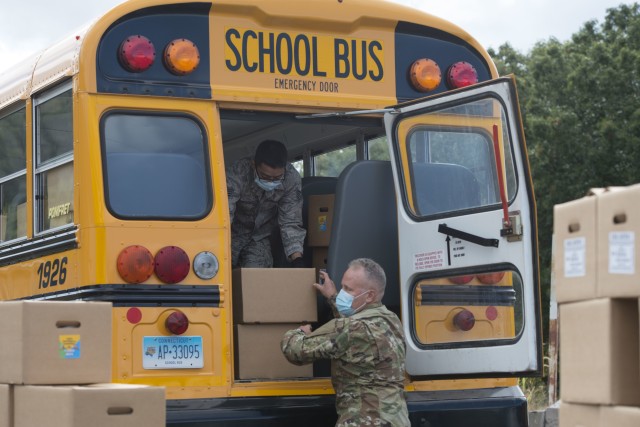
column 322, row 223
column 622, row 252
column 428, row 260
column 69, row 346
column 575, row 264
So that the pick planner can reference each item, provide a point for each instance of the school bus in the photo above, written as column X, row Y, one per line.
column 114, row 143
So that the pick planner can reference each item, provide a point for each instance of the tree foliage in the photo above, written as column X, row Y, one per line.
column 580, row 102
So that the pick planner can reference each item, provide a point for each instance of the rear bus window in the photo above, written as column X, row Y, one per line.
column 156, row 166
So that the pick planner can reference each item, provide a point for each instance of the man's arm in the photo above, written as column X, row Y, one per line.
column 330, row 341
column 290, row 214
column 235, row 175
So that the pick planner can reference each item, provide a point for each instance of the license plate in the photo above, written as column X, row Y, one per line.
column 172, row 352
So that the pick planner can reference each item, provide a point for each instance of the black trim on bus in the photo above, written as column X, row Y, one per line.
column 39, row 246
column 496, row 407
column 467, row 295
column 442, row 47
column 141, row 295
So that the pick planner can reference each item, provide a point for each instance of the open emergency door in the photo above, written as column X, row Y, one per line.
column 467, row 234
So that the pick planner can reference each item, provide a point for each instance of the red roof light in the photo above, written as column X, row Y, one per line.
column 461, row 74
column 137, row 53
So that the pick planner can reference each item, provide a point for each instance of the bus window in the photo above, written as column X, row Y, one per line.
column 54, row 158
column 299, row 166
column 333, row 162
column 165, row 157
column 377, row 149
column 453, row 167
column 13, row 178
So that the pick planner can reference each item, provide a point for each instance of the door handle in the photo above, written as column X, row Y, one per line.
column 482, row 241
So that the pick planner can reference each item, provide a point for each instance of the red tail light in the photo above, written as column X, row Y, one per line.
column 465, row 320
column 135, row 264
column 461, row 74
column 461, row 280
column 172, row 264
column 491, row 278
column 137, row 53
column 177, row 323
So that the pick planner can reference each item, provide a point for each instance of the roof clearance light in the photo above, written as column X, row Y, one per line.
column 177, row 323
column 135, row 264
column 137, row 53
column 205, row 265
column 491, row 278
column 461, row 74
column 172, row 264
column 425, row 75
column 461, row 280
column 181, row 57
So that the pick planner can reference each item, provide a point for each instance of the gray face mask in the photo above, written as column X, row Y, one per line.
column 267, row 185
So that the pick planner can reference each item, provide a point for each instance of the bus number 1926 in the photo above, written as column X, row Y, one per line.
column 52, row 273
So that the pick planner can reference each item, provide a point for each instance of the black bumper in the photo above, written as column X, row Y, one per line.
column 503, row 407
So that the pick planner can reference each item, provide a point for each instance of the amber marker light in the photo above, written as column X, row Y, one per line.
column 425, row 75
column 181, row 57
column 136, row 53
column 135, row 264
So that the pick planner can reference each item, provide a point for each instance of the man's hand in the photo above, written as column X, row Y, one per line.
column 328, row 289
column 306, row 329
column 296, row 259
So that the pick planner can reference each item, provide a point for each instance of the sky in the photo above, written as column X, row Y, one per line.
column 28, row 26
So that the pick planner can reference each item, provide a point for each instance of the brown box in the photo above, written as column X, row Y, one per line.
column 320, row 219
column 274, row 295
column 618, row 258
column 55, row 342
column 577, row 415
column 599, row 352
column 574, row 264
column 619, row 416
column 97, row 405
column 259, row 355
column 6, row 405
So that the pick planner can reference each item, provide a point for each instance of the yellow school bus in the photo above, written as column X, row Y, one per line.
column 113, row 146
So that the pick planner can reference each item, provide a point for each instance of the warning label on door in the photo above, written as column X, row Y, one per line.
column 622, row 252
column 428, row 260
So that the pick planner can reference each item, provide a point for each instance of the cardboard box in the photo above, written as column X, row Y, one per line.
column 320, row 219
column 576, row 415
column 274, row 295
column 619, row 416
column 55, row 342
column 6, row 405
column 599, row 352
column 258, row 353
column 574, row 264
column 618, row 227
column 97, row 405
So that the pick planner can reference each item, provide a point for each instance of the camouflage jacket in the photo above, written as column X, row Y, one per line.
column 367, row 352
column 255, row 212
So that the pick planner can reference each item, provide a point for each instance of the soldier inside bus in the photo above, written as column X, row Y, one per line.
column 264, row 194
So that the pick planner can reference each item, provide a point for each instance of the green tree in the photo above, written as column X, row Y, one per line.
column 581, row 112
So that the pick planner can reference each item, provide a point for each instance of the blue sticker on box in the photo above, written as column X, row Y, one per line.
column 69, row 346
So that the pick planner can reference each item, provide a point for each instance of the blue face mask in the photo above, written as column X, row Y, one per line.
column 267, row 185
column 344, row 301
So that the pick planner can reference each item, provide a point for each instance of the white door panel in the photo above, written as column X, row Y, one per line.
column 468, row 256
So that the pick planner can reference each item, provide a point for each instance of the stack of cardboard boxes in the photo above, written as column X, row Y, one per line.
column 597, row 278
column 267, row 303
column 55, row 370
column 320, row 219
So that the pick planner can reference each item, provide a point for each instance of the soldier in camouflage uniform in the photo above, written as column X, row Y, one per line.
column 264, row 193
column 366, row 346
